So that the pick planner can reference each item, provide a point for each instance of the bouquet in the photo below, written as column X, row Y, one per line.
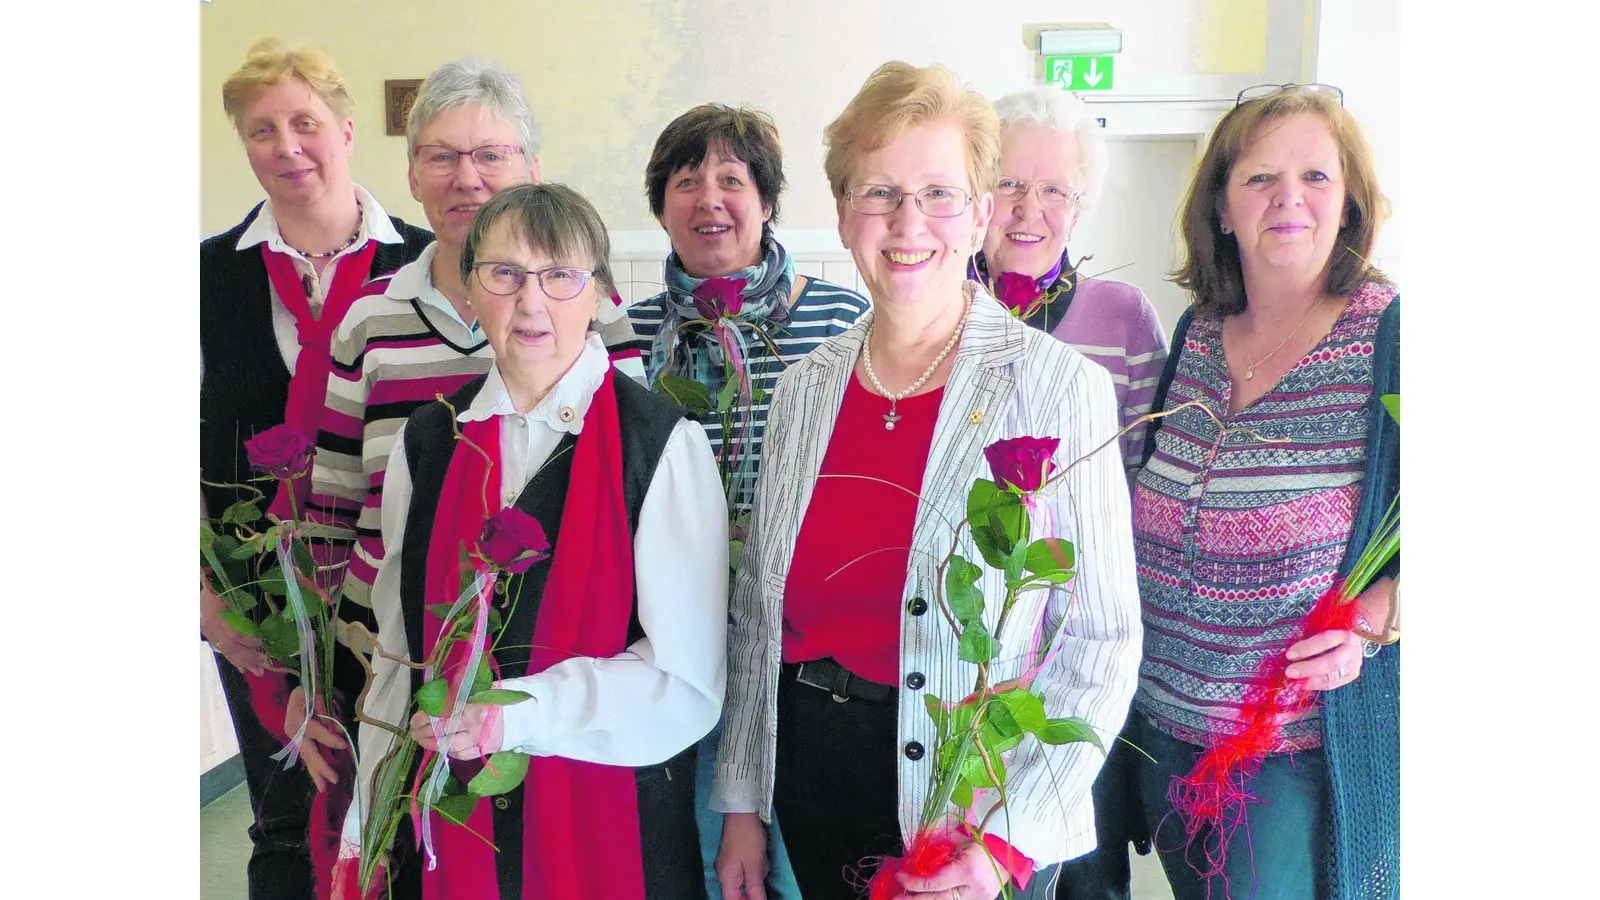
column 977, row 733
column 461, row 669
column 263, row 570
column 1213, row 793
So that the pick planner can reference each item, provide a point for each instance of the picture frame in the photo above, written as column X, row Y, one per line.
column 398, row 95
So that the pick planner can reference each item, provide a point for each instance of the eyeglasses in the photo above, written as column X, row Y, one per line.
column 490, row 159
column 1052, row 196
column 935, row 200
column 1263, row 91
column 557, row 282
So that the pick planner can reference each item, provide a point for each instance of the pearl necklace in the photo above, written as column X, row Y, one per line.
column 891, row 417
column 361, row 218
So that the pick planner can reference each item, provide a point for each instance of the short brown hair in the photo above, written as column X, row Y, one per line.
column 269, row 62
column 899, row 96
column 551, row 217
column 746, row 132
column 1211, row 269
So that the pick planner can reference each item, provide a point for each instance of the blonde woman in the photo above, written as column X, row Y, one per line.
column 272, row 290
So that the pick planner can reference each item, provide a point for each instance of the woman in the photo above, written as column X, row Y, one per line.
column 714, row 181
column 1292, row 339
column 1052, row 172
column 625, row 487
column 833, row 651
column 272, row 289
column 469, row 134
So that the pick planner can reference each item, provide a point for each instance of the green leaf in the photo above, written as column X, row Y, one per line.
column 1049, row 555
column 1391, row 402
column 735, row 550
column 208, row 537
column 977, row 644
column 975, row 773
column 936, row 712
column 483, row 679
column 273, row 583
column 1015, row 563
column 686, row 392
column 1026, row 707
column 238, row 599
column 499, row 697
column 503, row 771
column 758, row 397
column 998, row 743
column 242, row 513
column 1041, row 582
column 496, row 623
column 998, row 716
column 1068, row 731
column 966, row 601
column 303, row 560
column 989, row 545
column 961, row 795
column 440, row 610
column 730, row 386
column 1010, row 523
column 985, row 496
column 243, row 551
column 279, row 637
column 431, row 697
column 456, row 807
column 241, row 624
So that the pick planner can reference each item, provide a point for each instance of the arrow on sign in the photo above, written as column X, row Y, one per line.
column 1093, row 77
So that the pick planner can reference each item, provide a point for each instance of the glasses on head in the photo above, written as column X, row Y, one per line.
column 935, row 200
column 490, row 159
column 557, row 282
column 1264, row 91
column 1052, row 196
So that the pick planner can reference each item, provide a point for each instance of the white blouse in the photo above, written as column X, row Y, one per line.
column 637, row 708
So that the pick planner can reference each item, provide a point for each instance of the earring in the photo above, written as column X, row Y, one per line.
column 1227, row 230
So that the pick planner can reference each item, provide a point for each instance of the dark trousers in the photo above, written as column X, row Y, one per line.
column 1275, row 854
column 837, row 790
column 1106, row 873
column 280, row 858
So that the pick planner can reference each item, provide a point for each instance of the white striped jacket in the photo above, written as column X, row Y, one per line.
column 1008, row 380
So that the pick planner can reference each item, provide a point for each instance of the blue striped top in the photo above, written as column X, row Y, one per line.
column 822, row 310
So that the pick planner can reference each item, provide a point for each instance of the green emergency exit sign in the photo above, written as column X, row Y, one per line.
column 1080, row 73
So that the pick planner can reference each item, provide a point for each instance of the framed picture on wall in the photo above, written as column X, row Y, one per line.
column 398, row 95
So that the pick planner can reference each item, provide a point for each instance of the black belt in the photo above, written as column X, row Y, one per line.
column 827, row 675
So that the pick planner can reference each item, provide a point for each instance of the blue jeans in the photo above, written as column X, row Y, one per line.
column 1277, row 853
column 780, row 879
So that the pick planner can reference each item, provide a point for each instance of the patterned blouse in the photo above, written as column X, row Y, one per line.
column 1236, row 537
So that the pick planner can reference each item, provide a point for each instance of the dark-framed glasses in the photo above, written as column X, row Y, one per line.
column 1264, row 91
column 1051, row 195
column 937, row 200
column 557, row 282
column 490, row 159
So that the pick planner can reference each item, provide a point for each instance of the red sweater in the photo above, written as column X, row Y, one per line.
column 839, row 601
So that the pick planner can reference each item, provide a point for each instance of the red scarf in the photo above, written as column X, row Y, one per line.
column 308, row 391
column 580, row 820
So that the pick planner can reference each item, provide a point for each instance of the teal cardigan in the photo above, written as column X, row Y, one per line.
column 1360, row 721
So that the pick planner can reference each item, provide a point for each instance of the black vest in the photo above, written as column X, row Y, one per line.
column 246, row 385
column 669, row 838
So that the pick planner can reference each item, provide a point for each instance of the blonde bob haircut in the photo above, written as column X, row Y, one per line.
column 899, row 96
column 270, row 62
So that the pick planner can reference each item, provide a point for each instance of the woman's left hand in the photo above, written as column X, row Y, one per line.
column 479, row 732
column 1326, row 660
column 972, row 875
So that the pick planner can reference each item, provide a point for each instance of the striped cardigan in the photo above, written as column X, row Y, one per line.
column 1007, row 380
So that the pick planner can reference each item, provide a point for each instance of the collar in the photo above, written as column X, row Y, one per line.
column 374, row 223
column 567, row 403
column 414, row 281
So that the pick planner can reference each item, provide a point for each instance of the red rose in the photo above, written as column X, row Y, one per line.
column 1017, row 291
column 281, row 451
column 719, row 297
column 513, row 541
column 1024, row 463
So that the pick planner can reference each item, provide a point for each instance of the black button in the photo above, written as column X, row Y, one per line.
column 914, row 751
column 917, row 606
column 502, row 803
column 915, row 680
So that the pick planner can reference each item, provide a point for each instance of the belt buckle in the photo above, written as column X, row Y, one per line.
column 800, row 676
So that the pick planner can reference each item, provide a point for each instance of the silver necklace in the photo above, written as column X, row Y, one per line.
column 891, row 417
column 1250, row 370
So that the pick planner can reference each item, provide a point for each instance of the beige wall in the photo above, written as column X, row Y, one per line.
column 605, row 77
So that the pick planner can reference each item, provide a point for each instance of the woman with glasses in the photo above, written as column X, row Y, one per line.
column 272, row 290
column 618, row 637
column 1252, row 502
column 1052, row 171
column 836, row 642
column 470, row 133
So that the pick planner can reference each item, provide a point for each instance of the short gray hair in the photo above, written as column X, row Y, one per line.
column 474, row 81
column 551, row 218
column 1060, row 111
